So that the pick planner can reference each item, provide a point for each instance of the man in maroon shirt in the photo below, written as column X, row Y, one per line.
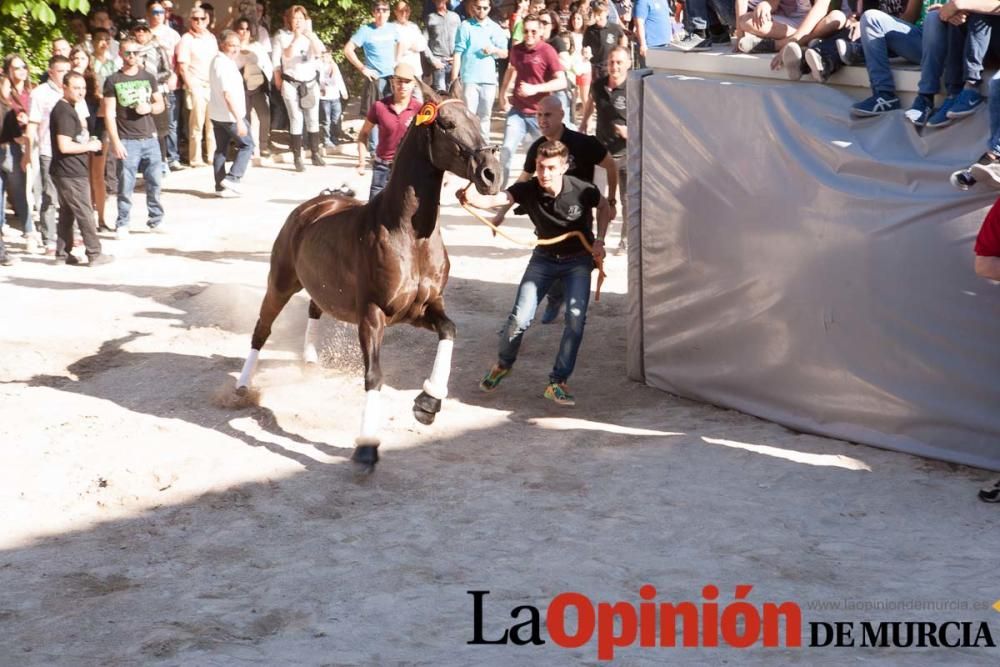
column 392, row 115
column 988, row 266
column 534, row 72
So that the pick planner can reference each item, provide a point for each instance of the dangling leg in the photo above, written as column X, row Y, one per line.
column 428, row 403
column 273, row 302
column 309, row 352
column 370, row 331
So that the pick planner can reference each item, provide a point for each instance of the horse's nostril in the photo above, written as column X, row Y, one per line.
column 488, row 175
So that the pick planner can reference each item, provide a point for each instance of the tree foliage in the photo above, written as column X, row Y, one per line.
column 29, row 26
column 42, row 11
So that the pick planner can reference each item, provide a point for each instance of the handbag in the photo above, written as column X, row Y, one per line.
column 307, row 95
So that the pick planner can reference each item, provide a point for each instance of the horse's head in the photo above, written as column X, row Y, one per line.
column 456, row 144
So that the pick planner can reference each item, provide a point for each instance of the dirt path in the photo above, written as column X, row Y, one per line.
column 144, row 523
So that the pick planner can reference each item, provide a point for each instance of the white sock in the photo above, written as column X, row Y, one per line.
column 437, row 384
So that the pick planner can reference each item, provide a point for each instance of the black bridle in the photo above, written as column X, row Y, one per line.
column 464, row 150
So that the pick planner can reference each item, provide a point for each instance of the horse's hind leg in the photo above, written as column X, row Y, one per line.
column 428, row 403
column 370, row 331
column 270, row 307
column 309, row 353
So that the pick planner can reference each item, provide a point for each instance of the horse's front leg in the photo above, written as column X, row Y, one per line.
column 428, row 403
column 370, row 331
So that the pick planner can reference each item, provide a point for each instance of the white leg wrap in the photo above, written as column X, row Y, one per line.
column 437, row 384
column 309, row 353
column 249, row 366
column 371, row 419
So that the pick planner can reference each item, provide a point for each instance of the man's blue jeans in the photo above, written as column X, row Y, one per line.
column 936, row 45
column 380, row 176
column 543, row 269
column 517, row 126
column 176, row 100
column 441, row 78
column 329, row 119
column 994, row 108
column 479, row 98
column 225, row 133
column 977, row 45
column 696, row 15
column 882, row 35
column 942, row 52
column 16, row 180
column 141, row 154
column 384, row 87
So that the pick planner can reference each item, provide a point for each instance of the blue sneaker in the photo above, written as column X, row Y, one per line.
column 966, row 103
column 876, row 105
column 941, row 117
column 920, row 111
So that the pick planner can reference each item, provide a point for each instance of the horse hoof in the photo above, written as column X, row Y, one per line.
column 427, row 403
column 365, row 457
column 242, row 391
column 422, row 416
column 425, row 408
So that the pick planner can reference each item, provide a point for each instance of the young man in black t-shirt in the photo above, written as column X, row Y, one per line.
column 70, row 171
column 601, row 37
column 585, row 154
column 607, row 96
column 557, row 204
column 131, row 99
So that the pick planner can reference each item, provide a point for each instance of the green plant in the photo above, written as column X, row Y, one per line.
column 29, row 26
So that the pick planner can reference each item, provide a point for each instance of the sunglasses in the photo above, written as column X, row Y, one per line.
column 130, row 53
column 157, row 12
column 199, row 18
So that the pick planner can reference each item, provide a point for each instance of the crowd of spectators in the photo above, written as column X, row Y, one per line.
column 219, row 91
column 165, row 92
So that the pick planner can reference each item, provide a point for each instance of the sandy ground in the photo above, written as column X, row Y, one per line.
column 145, row 523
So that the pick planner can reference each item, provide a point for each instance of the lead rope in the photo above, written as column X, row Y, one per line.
column 599, row 262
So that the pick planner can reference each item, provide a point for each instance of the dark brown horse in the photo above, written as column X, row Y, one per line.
column 384, row 262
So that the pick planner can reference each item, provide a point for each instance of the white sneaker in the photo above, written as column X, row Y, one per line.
column 226, row 194
column 791, row 57
column 231, row 185
column 33, row 243
column 121, row 233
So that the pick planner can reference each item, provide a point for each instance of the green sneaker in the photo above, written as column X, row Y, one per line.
column 492, row 379
column 558, row 393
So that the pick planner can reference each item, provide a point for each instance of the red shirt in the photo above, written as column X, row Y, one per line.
column 537, row 65
column 391, row 126
column 988, row 241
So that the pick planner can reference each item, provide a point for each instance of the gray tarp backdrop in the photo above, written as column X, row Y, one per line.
column 810, row 269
